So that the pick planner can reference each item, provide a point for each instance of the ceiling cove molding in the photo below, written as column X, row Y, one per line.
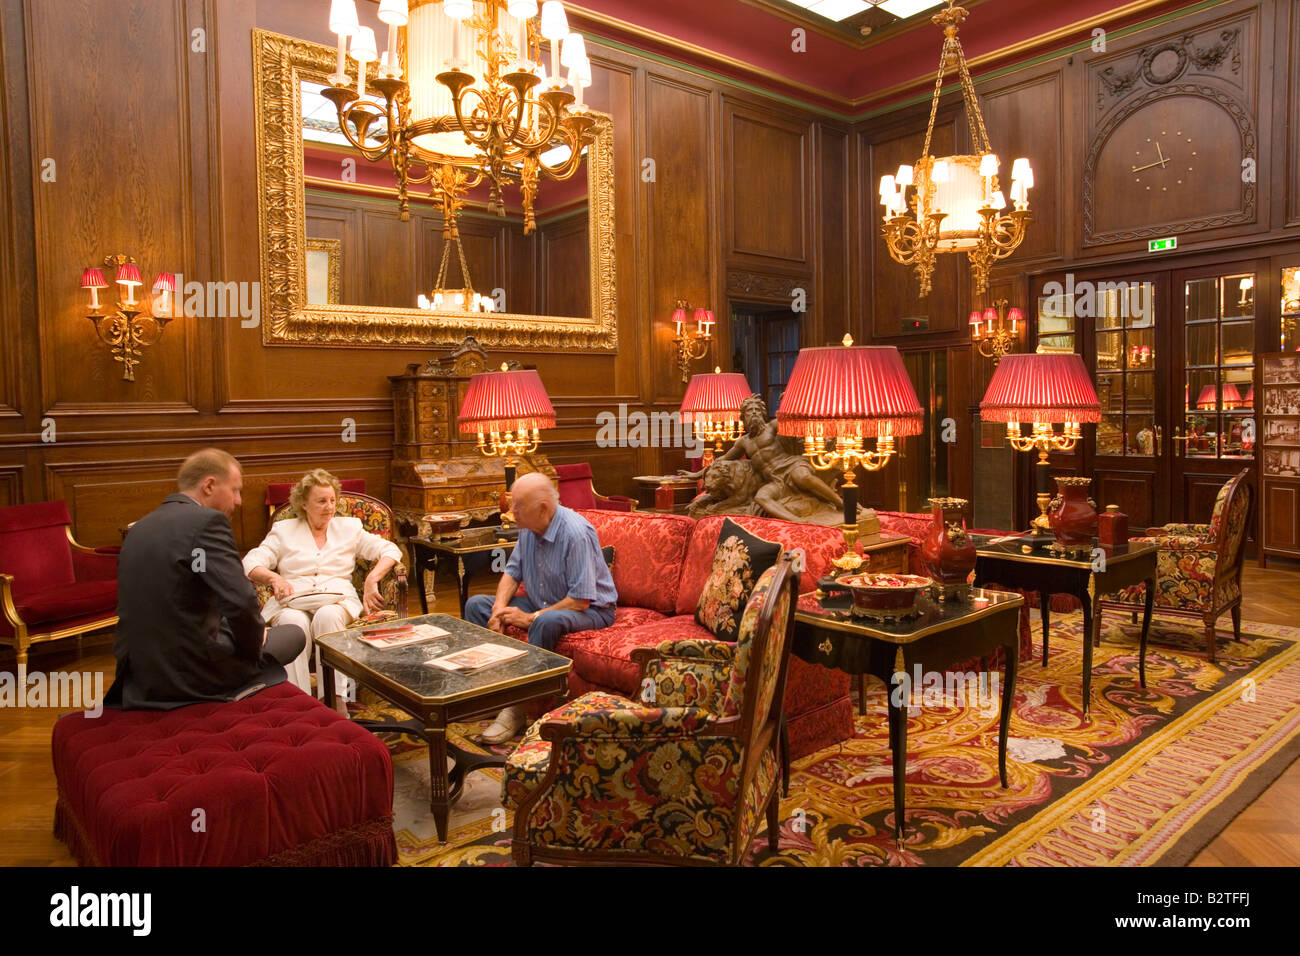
column 800, row 18
column 888, row 99
column 630, row 38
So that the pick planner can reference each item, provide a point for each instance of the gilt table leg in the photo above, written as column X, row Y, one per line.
column 1085, row 599
column 1146, row 626
column 898, row 751
column 439, row 799
column 1012, row 653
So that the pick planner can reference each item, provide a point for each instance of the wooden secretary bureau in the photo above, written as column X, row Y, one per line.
column 435, row 467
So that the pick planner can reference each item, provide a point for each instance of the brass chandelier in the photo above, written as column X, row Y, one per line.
column 463, row 86
column 956, row 204
column 450, row 184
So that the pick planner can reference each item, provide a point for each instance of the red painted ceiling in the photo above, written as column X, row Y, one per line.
column 843, row 76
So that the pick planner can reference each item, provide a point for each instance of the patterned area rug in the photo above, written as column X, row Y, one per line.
column 1149, row 777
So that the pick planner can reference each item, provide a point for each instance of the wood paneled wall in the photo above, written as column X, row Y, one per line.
column 148, row 115
column 1227, row 75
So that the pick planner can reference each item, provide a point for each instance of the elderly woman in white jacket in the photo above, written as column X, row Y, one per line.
column 316, row 551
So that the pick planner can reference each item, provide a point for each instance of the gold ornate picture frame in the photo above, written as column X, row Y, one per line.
column 333, row 272
column 280, row 65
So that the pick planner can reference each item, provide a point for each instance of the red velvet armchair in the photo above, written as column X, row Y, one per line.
column 578, row 491
column 51, row 587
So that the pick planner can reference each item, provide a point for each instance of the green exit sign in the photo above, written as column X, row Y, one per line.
column 1162, row 245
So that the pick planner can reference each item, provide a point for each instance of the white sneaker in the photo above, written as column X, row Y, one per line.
column 507, row 725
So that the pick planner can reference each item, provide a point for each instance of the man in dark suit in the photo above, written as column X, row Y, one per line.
column 189, row 624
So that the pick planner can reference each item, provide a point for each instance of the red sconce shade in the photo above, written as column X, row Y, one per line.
column 93, row 279
column 975, row 317
column 1041, row 388
column 166, row 282
column 506, row 401
column 679, row 316
column 714, row 397
column 1207, row 401
column 1249, row 400
column 990, row 315
column 850, row 391
column 1231, row 397
column 128, row 273
column 1015, row 316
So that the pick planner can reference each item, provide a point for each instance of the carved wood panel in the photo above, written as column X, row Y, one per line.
column 767, row 185
column 894, row 292
column 1170, row 125
column 1132, row 491
column 106, row 182
column 1025, row 119
column 1281, row 516
column 679, row 216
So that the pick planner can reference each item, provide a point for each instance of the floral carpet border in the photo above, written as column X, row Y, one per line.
column 1166, row 798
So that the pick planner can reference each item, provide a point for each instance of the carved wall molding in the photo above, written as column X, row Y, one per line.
column 280, row 64
column 1249, row 148
column 768, row 286
column 1216, row 51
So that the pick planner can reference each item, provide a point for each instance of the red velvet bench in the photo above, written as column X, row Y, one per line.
column 274, row 779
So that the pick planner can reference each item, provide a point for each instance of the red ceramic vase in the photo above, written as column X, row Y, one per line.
column 1073, row 515
column 947, row 551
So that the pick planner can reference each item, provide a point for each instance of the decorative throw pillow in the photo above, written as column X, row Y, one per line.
column 738, row 563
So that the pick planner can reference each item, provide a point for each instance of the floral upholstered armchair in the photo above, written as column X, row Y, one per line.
column 682, row 777
column 377, row 518
column 1198, row 570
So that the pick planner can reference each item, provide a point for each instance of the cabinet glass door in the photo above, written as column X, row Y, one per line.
column 1219, row 367
column 1124, row 333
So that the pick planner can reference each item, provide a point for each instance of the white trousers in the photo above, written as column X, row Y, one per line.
column 331, row 617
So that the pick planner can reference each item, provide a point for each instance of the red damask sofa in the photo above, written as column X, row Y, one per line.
column 660, row 565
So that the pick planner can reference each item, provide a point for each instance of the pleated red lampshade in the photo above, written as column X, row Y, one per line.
column 166, row 282
column 1053, row 387
column 1207, row 400
column 860, row 391
column 506, row 401
column 1231, row 396
column 93, row 279
column 128, row 273
column 714, row 397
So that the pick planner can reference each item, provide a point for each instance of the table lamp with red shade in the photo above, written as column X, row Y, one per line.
column 507, row 409
column 712, row 404
column 1044, row 390
column 846, row 395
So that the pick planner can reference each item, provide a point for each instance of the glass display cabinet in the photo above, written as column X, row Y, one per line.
column 1124, row 331
column 1219, row 368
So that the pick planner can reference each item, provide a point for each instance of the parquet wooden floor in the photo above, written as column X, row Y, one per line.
column 1266, row 833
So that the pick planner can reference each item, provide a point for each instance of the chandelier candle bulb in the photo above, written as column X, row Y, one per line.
column 395, row 13
column 555, row 27
column 988, row 165
column 344, row 22
column 363, row 51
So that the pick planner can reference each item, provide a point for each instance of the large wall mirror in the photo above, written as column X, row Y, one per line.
column 340, row 268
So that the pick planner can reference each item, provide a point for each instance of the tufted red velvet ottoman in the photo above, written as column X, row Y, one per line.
column 274, row 779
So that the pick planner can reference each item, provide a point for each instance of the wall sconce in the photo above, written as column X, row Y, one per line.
column 129, row 328
column 997, row 331
column 692, row 344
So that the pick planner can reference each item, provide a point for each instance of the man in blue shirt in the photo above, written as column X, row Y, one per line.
column 568, row 585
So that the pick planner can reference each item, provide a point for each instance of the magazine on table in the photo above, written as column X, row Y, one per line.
column 385, row 636
column 478, row 656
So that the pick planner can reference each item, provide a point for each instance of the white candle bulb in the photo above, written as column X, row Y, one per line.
column 363, row 51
